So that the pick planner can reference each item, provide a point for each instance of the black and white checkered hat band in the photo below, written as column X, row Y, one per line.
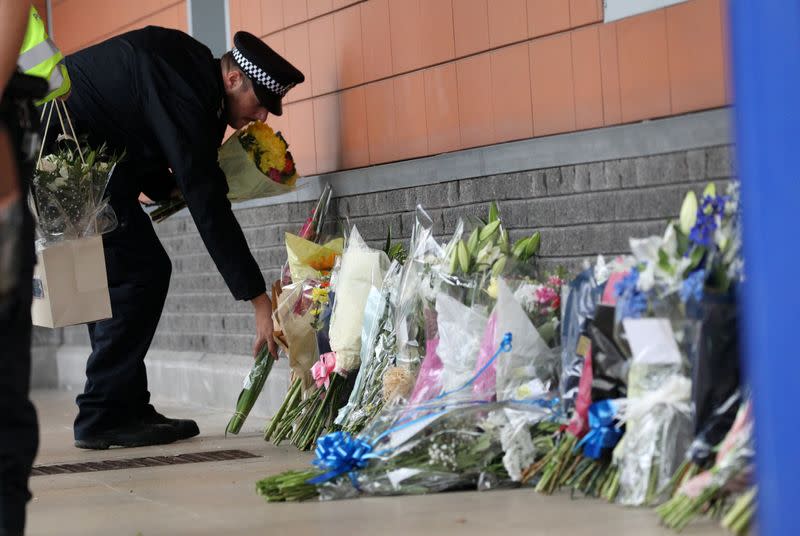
column 258, row 74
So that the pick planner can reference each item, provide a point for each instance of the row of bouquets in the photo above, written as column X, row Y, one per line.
column 464, row 366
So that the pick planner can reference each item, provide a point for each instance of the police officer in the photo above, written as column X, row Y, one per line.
column 161, row 96
column 18, row 144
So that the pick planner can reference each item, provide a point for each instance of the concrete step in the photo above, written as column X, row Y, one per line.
column 196, row 379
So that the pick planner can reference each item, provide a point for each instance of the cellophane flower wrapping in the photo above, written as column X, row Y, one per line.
column 362, row 268
column 309, row 260
column 294, row 315
column 257, row 163
column 734, row 461
column 69, row 193
column 417, row 286
column 378, row 349
column 431, row 448
column 582, row 296
column 657, row 411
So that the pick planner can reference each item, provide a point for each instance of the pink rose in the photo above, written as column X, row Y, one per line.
column 322, row 369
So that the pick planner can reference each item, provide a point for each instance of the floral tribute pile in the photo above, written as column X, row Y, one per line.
column 465, row 364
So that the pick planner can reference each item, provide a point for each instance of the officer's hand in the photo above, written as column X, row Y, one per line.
column 146, row 201
column 264, row 327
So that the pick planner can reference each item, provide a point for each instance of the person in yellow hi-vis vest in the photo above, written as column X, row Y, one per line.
column 39, row 56
column 18, row 135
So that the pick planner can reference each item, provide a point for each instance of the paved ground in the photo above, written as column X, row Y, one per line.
column 218, row 498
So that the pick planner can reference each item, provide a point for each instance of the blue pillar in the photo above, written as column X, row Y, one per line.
column 766, row 64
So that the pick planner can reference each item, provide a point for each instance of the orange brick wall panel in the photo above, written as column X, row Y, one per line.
column 294, row 12
column 552, row 85
column 583, row 12
column 726, row 49
column 410, row 115
column 71, row 17
column 406, row 35
column 511, row 93
column 475, row 101
column 349, row 47
column 327, row 133
column 644, row 66
column 609, row 71
column 381, row 122
column 251, row 20
column 376, row 38
column 441, row 106
column 353, row 128
column 298, row 53
column 696, row 56
column 300, row 117
column 436, row 25
column 508, row 22
column 470, row 26
column 319, row 7
column 343, row 3
column 323, row 55
column 271, row 15
column 547, row 16
column 586, row 73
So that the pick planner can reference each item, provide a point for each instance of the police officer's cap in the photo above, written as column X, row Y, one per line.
column 271, row 74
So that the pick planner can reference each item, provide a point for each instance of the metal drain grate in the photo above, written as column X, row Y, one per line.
column 137, row 463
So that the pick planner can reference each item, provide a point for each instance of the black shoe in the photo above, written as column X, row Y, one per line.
column 185, row 428
column 139, row 434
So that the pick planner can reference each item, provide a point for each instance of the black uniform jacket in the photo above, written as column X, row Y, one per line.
column 157, row 94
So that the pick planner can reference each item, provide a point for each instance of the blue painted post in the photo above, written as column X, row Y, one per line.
column 766, row 64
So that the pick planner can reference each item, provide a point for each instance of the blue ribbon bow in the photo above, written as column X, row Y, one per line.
column 602, row 433
column 339, row 453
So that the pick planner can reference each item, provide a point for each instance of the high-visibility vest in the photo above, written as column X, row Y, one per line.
column 39, row 56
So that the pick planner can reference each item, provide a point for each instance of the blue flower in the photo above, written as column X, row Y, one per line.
column 632, row 301
column 710, row 209
column 692, row 287
column 628, row 282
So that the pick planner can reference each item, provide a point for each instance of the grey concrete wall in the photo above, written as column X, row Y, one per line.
column 589, row 198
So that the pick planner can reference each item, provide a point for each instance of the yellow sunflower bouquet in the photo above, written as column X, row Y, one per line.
column 256, row 162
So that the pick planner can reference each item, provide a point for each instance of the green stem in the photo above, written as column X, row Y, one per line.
column 287, row 402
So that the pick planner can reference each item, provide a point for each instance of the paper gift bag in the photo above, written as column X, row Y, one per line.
column 70, row 284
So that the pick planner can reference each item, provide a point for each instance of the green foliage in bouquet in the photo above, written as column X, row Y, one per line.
column 69, row 190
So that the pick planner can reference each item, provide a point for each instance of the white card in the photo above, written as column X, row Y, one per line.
column 652, row 340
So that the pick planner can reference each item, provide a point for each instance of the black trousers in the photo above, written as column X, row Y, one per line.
column 19, row 437
column 138, row 279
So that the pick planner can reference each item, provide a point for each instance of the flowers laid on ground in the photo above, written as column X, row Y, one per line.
column 256, row 162
column 464, row 366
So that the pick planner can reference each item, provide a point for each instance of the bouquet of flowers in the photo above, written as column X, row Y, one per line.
column 444, row 444
column 256, row 162
column 69, row 187
column 378, row 349
column 361, row 269
column 731, row 474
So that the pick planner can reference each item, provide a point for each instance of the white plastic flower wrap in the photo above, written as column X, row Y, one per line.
column 657, row 412
column 460, row 331
column 416, row 285
column 377, row 351
column 362, row 268
column 522, row 375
